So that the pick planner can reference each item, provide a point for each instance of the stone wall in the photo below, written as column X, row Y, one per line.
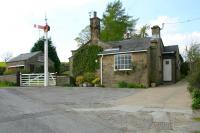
column 62, row 80
column 139, row 75
column 9, row 78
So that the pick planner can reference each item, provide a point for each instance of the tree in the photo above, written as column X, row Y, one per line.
column 115, row 22
column 83, row 36
column 193, row 57
column 52, row 54
column 6, row 56
column 143, row 31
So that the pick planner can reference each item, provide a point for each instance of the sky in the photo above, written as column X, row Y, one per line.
column 68, row 17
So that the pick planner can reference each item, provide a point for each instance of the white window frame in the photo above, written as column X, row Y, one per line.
column 122, row 69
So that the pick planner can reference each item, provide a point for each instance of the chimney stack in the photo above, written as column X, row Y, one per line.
column 95, row 28
column 155, row 32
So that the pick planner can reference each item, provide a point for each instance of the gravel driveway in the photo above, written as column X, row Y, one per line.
column 95, row 110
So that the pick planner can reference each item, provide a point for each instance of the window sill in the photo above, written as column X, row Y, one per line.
column 122, row 70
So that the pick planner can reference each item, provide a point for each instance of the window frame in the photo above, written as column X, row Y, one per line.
column 118, row 62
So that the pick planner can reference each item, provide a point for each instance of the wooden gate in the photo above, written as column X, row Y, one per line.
column 36, row 79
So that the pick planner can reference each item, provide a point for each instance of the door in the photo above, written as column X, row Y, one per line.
column 167, row 70
column 32, row 68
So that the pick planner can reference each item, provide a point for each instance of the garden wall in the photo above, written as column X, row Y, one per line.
column 9, row 78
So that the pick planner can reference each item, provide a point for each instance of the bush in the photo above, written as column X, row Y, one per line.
column 184, row 68
column 122, row 84
column 84, row 60
column 194, row 79
column 9, row 72
column 6, row 84
column 96, row 81
column 134, row 85
column 196, row 99
column 196, row 93
column 190, row 89
column 196, row 103
column 89, row 77
column 2, row 70
column 79, row 80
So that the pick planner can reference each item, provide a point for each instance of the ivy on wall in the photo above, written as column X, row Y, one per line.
column 86, row 59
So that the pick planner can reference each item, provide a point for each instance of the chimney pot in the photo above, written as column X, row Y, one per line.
column 155, row 31
column 95, row 14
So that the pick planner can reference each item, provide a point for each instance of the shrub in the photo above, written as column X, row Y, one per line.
column 96, row 81
column 10, row 71
column 2, row 69
column 184, row 68
column 84, row 60
column 79, row 80
column 190, row 89
column 89, row 77
column 196, row 103
column 196, row 93
column 194, row 79
column 122, row 84
column 6, row 84
column 135, row 85
column 196, row 99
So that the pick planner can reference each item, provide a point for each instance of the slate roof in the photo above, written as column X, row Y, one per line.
column 128, row 45
column 171, row 48
column 24, row 56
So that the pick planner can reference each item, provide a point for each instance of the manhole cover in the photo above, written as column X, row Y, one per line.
column 162, row 126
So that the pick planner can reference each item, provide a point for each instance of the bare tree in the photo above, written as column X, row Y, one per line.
column 6, row 56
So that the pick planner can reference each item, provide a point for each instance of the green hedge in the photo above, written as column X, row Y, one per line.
column 123, row 84
column 6, row 84
column 86, row 59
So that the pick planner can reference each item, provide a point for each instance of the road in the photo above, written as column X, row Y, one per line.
column 96, row 110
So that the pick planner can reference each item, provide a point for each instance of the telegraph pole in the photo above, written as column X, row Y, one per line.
column 46, row 72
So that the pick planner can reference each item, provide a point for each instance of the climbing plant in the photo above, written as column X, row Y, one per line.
column 86, row 59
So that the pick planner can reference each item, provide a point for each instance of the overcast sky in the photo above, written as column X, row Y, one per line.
column 68, row 17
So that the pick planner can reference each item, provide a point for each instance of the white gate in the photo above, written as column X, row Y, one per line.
column 37, row 79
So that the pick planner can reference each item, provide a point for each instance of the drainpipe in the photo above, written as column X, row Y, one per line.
column 102, row 70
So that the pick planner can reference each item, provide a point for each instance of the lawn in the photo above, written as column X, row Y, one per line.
column 2, row 64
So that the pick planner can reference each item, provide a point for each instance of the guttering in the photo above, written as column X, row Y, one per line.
column 16, row 66
column 101, row 67
column 138, row 51
column 172, row 52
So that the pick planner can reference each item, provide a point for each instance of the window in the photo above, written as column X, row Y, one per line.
column 123, row 62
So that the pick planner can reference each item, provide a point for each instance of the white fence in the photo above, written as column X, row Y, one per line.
column 37, row 79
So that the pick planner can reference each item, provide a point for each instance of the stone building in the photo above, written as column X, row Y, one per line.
column 29, row 62
column 136, row 60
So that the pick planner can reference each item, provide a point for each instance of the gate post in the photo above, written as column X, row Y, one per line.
column 18, row 78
